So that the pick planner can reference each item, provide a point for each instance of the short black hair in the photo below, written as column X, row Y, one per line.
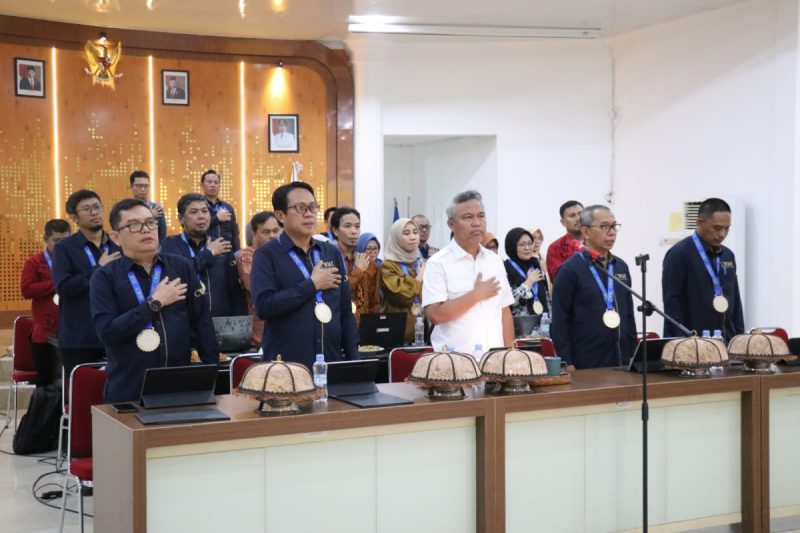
column 57, row 225
column 139, row 174
column 280, row 196
column 188, row 198
column 329, row 212
column 77, row 197
column 259, row 218
column 30, row 68
column 123, row 205
column 567, row 205
column 336, row 217
column 712, row 205
column 207, row 172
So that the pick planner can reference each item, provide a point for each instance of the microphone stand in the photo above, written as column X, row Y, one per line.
column 646, row 309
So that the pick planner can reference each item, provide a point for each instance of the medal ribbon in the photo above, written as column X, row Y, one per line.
column 707, row 264
column 535, row 287
column 404, row 267
column 608, row 292
column 304, row 270
column 137, row 289
column 88, row 251
column 50, row 260
column 191, row 250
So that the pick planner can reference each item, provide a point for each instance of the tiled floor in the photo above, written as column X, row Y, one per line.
column 19, row 511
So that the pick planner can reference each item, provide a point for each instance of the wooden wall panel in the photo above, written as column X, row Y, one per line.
column 26, row 171
column 293, row 89
column 103, row 132
column 205, row 134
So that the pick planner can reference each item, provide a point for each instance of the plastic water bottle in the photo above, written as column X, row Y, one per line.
column 706, row 333
column 478, row 354
column 718, row 337
column 544, row 325
column 320, row 370
column 419, row 332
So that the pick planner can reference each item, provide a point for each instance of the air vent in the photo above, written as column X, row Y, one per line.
column 690, row 214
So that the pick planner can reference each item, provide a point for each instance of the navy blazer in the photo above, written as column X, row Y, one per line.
column 119, row 317
column 228, row 230
column 285, row 300
column 72, row 271
column 579, row 334
column 219, row 274
column 689, row 292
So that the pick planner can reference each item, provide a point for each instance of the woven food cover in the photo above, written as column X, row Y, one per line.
column 694, row 352
column 513, row 363
column 758, row 346
column 276, row 379
column 445, row 367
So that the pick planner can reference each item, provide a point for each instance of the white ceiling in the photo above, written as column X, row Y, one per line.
column 326, row 20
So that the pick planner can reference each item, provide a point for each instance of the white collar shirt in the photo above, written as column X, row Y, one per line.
column 450, row 274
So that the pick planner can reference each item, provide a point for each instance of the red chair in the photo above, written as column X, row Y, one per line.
column 771, row 330
column 542, row 345
column 87, row 382
column 402, row 361
column 651, row 335
column 23, row 371
column 239, row 364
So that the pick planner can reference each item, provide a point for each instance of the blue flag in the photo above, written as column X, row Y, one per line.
column 396, row 211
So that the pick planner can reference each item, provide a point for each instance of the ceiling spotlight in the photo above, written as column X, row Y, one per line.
column 281, row 63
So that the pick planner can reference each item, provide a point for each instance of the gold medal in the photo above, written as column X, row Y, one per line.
column 538, row 308
column 416, row 309
column 55, row 298
column 148, row 340
column 720, row 304
column 611, row 319
column 323, row 312
column 353, row 306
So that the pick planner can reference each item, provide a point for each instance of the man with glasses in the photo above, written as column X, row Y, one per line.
column 211, row 256
column 140, row 188
column 424, row 226
column 146, row 307
column 699, row 283
column 223, row 216
column 593, row 324
column 77, row 258
column 300, row 286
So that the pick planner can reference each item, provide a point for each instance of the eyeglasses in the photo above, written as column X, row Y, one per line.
column 371, row 250
column 424, row 226
column 526, row 244
column 137, row 227
column 89, row 209
column 608, row 227
column 305, row 208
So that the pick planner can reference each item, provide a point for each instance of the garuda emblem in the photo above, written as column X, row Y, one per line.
column 102, row 57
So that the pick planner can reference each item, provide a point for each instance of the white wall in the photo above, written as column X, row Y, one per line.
column 705, row 107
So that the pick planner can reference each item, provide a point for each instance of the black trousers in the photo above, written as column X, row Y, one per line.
column 47, row 363
column 71, row 358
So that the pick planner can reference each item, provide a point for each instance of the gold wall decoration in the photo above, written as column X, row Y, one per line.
column 102, row 56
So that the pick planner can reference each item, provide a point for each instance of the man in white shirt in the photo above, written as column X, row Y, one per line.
column 284, row 139
column 465, row 290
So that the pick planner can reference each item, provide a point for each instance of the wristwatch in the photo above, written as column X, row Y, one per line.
column 155, row 305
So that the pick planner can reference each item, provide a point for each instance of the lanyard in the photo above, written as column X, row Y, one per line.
column 404, row 267
column 519, row 270
column 608, row 292
column 50, row 260
column 304, row 270
column 707, row 264
column 88, row 251
column 191, row 250
column 138, row 288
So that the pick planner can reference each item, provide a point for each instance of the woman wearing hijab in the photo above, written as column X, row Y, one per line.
column 490, row 242
column 401, row 273
column 524, row 271
column 368, row 244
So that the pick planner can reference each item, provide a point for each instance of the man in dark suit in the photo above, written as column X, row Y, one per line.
column 30, row 82
column 173, row 91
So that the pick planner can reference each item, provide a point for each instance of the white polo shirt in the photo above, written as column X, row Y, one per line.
column 451, row 273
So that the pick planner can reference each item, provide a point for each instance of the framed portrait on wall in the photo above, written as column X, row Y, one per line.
column 29, row 77
column 284, row 133
column 175, row 87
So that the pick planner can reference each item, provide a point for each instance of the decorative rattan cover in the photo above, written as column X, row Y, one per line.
column 277, row 379
column 513, row 363
column 694, row 352
column 445, row 367
column 758, row 346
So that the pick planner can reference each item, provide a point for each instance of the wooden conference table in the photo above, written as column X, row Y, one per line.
column 566, row 458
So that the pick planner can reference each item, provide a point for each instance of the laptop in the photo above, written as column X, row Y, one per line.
column 387, row 330
column 353, row 382
column 654, row 349
column 179, row 386
column 233, row 333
